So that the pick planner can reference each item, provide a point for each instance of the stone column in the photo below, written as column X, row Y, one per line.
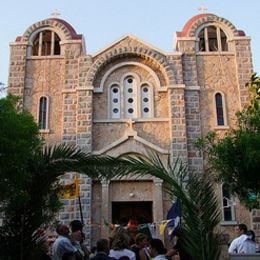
column 244, row 67
column 105, row 207
column 193, row 128
column 178, row 122
column 157, row 202
column 17, row 70
column 84, row 118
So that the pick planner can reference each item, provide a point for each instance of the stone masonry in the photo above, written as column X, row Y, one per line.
column 79, row 90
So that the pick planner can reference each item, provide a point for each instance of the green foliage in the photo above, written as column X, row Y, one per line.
column 19, row 139
column 200, row 211
column 235, row 158
column 29, row 180
column 201, row 215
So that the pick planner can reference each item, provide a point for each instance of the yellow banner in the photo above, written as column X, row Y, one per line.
column 70, row 191
column 162, row 226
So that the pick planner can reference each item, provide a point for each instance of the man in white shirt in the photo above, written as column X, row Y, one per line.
column 237, row 245
column 62, row 244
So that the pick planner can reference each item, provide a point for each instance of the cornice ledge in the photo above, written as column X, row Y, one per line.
column 192, row 87
column 177, row 86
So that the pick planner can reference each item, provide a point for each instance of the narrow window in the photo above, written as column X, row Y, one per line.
column 56, row 43
column 36, row 45
column 130, row 97
column 42, row 118
column 219, row 109
column 202, row 43
column 212, row 38
column 145, row 101
column 46, row 43
column 115, row 103
column 228, row 204
column 224, row 44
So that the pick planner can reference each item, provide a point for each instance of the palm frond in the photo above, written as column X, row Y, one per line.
column 196, row 195
column 201, row 216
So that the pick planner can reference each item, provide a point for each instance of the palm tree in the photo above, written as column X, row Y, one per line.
column 199, row 205
column 29, row 184
column 34, row 199
column 29, row 179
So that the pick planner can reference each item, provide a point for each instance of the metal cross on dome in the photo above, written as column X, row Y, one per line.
column 55, row 13
column 203, row 9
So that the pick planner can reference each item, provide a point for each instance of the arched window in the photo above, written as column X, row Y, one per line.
column 130, row 97
column 46, row 43
column 42, row 116
column 219, row 109
column 115, row 101
column 212, row 38
column 228, row 204
column 146, row 97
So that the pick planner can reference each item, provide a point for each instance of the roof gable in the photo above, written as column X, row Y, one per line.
column 128, row 40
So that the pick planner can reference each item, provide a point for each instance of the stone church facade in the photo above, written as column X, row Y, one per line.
column 131, row 97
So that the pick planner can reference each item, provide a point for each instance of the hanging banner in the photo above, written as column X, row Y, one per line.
column 70, row 191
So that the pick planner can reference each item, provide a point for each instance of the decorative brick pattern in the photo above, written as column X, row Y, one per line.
column 129, row 47
column 208, row 18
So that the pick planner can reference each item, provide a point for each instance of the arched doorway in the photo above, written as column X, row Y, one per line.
column 139, row 211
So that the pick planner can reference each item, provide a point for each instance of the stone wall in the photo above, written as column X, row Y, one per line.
column 184, row 85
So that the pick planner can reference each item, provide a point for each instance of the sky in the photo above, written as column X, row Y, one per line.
column 105, row 21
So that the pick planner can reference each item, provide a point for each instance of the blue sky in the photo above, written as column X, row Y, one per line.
column 104, row 21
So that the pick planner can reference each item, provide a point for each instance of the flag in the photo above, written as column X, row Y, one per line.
column 144, row 228
column 174, row 217
column 162, row 225
column 152, row 229
column 70, row 191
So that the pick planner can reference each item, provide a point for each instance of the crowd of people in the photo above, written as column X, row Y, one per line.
column 121, row 245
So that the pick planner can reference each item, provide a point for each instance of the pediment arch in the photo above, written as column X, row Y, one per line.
column 195, row 23
column 61, row 27
column 157, row 61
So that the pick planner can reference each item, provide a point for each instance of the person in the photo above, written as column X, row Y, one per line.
column 237, row 245
column 102, row 250
column 249, row 246
column 178, row 251
column 76, row 225
column 120, row 241
column 93, row 251
column 78, row 238
column 63, row 245
column 157, row 250
column 139, row 248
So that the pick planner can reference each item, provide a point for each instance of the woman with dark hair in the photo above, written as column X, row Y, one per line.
column 249, row 245
column 157, row 250
column 78, row 237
